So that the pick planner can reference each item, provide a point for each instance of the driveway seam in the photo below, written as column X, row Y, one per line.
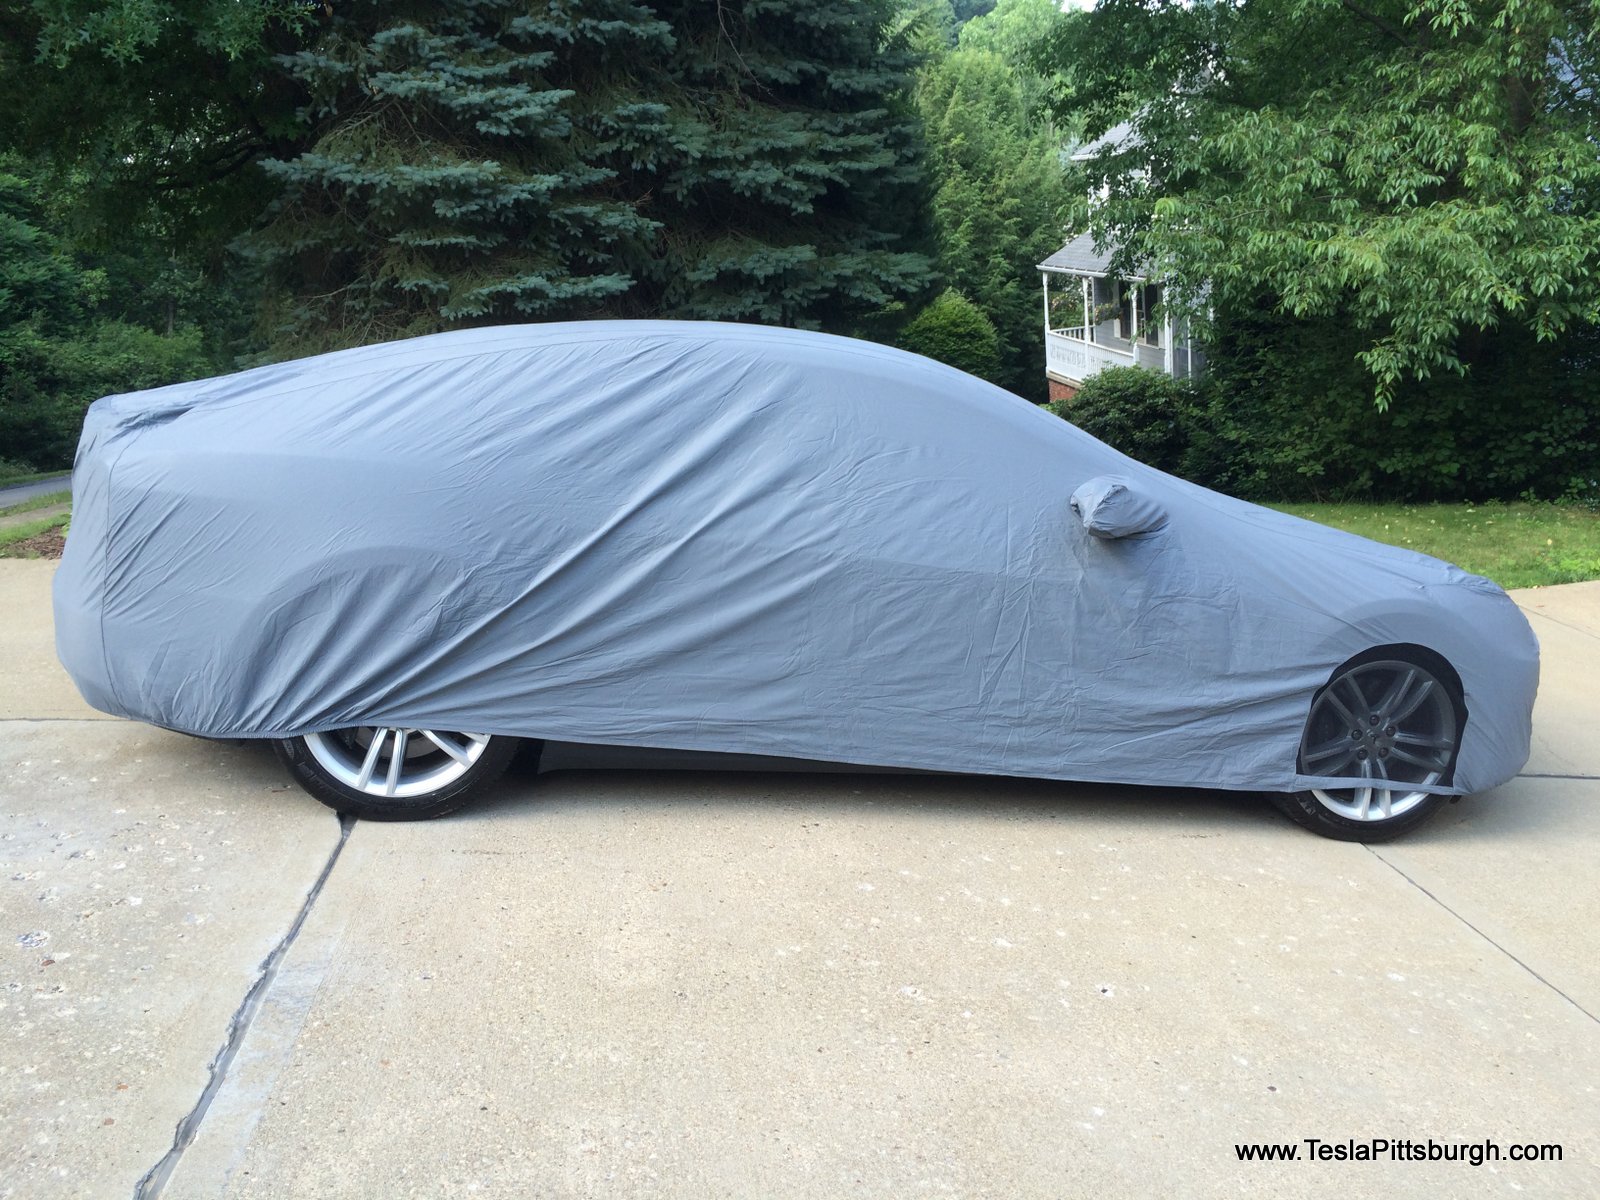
column 1483, row 935
column 58, row 720
column 150, row 1185
column 1544, row 616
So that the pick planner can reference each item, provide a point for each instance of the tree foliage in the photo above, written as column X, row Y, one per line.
column 487, row 161
column 68, row 333
column 1269, row 425
column 1287, row 414
column 158, row 110
column 1424, row 169
column 955, row 331
column 1143, row 413
column 999, row 194
column 415, row 166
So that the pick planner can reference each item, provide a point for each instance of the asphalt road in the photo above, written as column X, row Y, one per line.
column 690, row 983
column 22, row 492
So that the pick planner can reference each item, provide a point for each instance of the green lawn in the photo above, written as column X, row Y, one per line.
column 10, row 474
column 12, row 535
column 1516, row 545
column 16, row 527
column 48, row 500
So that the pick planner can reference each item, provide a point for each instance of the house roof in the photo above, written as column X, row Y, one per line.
column 1118, row 138
column 1078, row 257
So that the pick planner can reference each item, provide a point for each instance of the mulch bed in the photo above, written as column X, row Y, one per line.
column 48, row 544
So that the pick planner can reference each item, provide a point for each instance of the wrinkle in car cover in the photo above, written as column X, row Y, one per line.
column 714, row 537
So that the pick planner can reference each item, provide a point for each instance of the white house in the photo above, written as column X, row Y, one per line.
column 1094, row 319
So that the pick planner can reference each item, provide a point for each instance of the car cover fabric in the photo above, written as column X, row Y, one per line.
column 731, row 538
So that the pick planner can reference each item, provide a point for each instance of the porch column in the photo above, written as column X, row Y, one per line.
column 1088, row 330
column 1166, row 341
column 1133, row 333
column 1045, row 276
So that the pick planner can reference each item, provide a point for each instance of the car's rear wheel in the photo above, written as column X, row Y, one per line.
column 382, row 773
column 1391, row 722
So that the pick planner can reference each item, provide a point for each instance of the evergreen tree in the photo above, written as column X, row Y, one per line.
column 489, row 160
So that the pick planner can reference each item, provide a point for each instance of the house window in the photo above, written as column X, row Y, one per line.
column 1105, row 300
column 1149, row 297
column 1150, row 326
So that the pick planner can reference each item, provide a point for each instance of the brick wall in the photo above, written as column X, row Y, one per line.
column 1062, row 391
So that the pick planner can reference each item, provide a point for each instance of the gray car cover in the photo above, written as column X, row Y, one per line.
column 718, row 537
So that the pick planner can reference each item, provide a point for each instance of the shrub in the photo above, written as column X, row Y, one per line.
column 1288, row 414
column 1142, row 413
column 955, row 331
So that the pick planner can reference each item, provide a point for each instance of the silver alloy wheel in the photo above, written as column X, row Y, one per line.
column 1390, row 722
column 395, row 762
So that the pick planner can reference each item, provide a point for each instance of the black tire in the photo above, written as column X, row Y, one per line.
column 1390, row 720
column 525, row 762
column 428, row 783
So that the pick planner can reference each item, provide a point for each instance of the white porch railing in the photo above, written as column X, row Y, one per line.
column 1151, row 356
column 1067, row 354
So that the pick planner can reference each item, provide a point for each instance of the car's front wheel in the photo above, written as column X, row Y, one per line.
column 381, row 773
column 1391, row 722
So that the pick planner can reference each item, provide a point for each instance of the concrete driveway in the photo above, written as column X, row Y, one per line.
column 649, row 983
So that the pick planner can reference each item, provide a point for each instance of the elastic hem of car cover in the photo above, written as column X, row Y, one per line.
column 1296, row 783
column 1305, row 783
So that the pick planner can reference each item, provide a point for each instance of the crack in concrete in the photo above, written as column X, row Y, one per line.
column 155, row 1179
column 1544, row 616
column 1545, row 775
column 1483, row 935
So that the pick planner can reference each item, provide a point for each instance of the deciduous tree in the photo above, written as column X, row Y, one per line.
column 67, row 335
column 999, row 200
column 1426, row 169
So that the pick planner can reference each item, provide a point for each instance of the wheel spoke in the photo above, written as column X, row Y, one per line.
column 1385, row 795
column 1332, row 697
column 1431, row 764
column 1404, row 738
column 372, row 760
column 1364, row 795
column 449, row 747
column 1336, row 768
column 1413, row 702
column 1438, row 742
column 397, row 759
column 370, row 763
column 1328, row 750
column 1396, row 691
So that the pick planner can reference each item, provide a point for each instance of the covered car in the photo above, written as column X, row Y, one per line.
column 396, row 561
